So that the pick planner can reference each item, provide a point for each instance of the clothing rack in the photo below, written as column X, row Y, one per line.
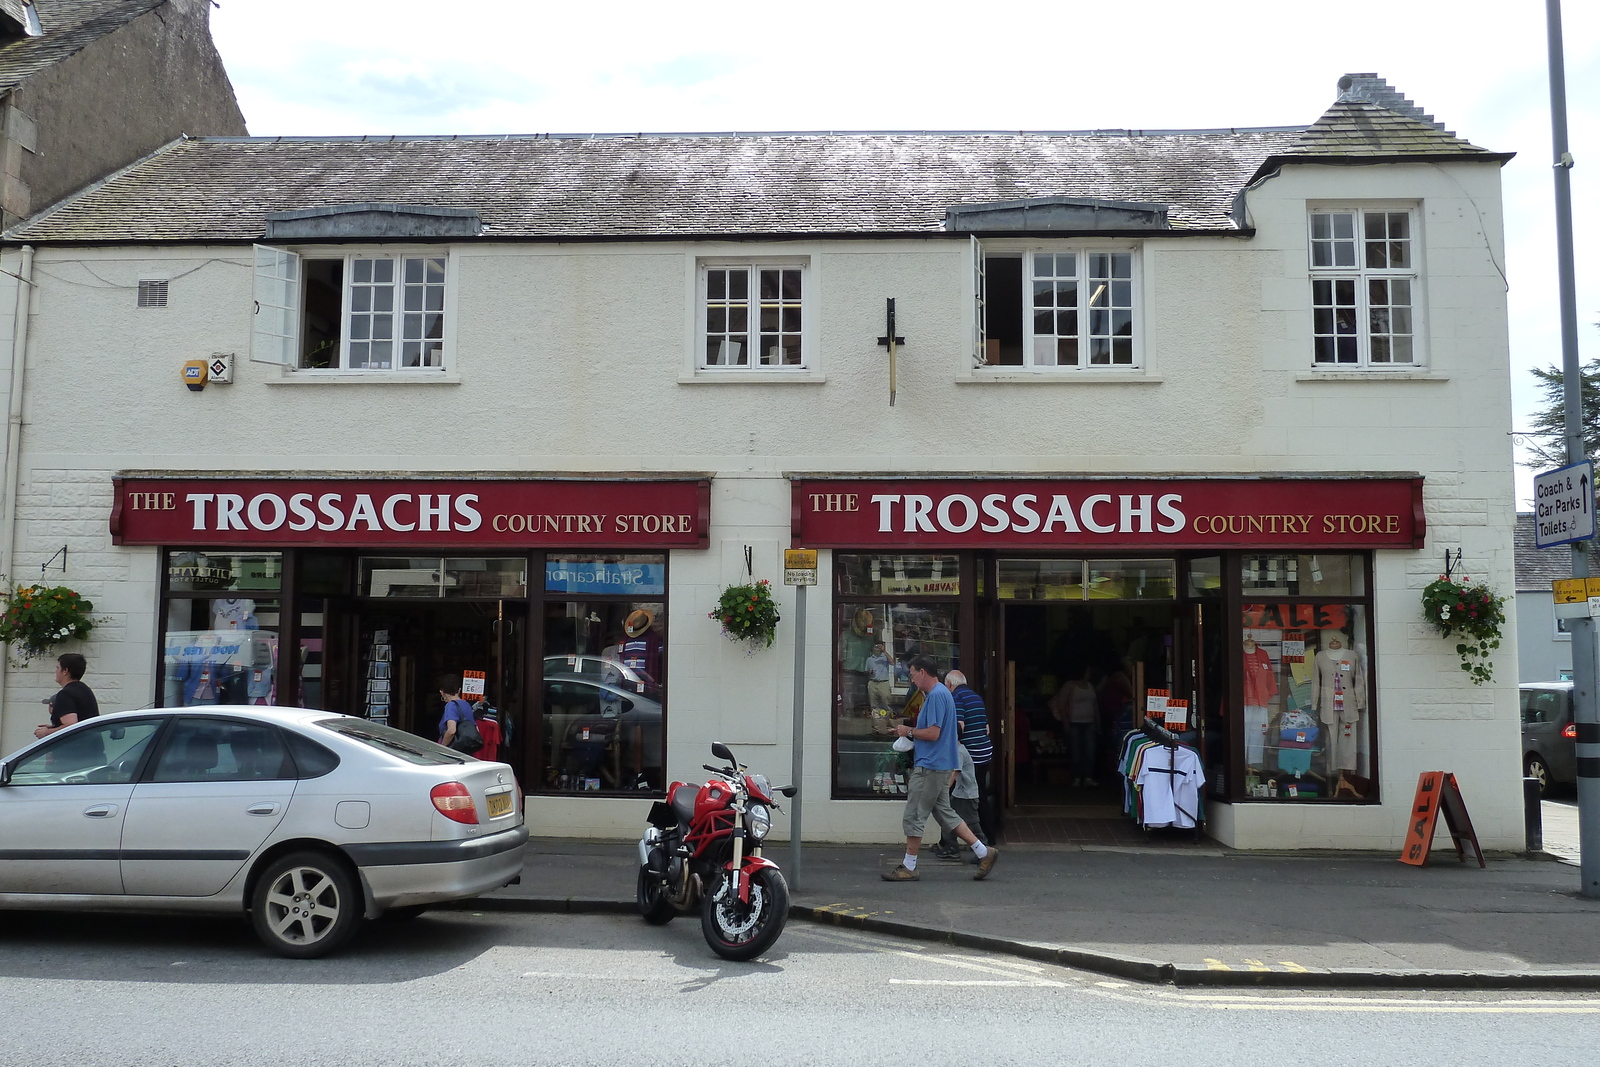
column 1160, row 735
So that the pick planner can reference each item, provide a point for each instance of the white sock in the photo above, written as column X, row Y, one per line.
column 979, row 849
column 910, row 862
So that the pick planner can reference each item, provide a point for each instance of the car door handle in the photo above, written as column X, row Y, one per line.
column 100, row 811
column 269, row 808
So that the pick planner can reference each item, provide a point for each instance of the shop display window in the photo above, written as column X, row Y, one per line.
column 605, row 693
column 1307, row 694
column 220, row 650
column 220, row 572
column 876, row 642
column 898, row 575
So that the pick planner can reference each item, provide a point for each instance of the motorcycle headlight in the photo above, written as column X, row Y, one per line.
column 760, row 819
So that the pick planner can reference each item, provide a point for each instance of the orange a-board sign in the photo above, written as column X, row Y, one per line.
column 1437, row 791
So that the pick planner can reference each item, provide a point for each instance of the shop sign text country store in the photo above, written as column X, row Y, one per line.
column 411, row 513
column 1169, row 513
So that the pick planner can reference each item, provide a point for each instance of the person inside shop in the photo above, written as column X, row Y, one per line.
column 1076, row 705
column 880, row 677
column 455, row 709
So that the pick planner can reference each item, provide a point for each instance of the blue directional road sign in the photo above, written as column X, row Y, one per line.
column 1563, row 505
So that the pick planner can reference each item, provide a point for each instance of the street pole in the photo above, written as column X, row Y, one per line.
column 799, row 733
column 1585, row 710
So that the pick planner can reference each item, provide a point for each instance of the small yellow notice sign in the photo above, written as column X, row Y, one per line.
column 800, row 566
column 1574, row 590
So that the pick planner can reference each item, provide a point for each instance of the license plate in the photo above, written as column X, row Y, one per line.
column 499, row 804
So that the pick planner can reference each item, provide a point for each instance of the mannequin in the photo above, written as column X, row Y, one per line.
column 1260, row 689
column 1339, row 697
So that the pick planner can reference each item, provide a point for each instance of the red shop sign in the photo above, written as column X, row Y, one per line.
column 411, row 513
column 1164, row 513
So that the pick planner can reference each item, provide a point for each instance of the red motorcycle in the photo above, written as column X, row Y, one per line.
column 703, row 846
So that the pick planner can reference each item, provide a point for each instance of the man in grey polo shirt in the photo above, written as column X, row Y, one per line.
column 928, row 790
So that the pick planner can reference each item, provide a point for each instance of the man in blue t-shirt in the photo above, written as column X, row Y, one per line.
column 934, row 744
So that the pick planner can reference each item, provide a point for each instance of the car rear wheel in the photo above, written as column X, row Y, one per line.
column 1533, row 766
column 305, row 905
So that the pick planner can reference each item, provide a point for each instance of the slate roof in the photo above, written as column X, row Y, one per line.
column 1537, row 567
column 69, row 27
column 692, row 185
column 1357, row 128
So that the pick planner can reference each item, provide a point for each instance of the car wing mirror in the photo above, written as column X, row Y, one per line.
column 5, row 774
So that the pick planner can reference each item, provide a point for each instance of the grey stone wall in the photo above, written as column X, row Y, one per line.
column 118, row 99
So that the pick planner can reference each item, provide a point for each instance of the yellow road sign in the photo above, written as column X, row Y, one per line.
column 1574, row 590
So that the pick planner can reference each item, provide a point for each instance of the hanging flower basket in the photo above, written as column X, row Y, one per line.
column 748, row 613
column 34, row 619
column 1473, row 613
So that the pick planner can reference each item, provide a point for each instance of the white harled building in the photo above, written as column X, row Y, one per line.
column 1187, row 417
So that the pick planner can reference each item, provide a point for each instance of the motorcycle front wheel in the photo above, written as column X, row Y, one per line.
column 654, row 905
column 743, row 931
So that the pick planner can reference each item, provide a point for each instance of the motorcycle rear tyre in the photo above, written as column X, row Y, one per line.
column 654, row 905
column 775, row 912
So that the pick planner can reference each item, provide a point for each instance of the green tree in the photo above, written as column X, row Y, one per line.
column 1548, row 444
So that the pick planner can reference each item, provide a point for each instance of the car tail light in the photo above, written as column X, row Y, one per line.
column 1570, row 730
column 516, row 793
column 454, row 802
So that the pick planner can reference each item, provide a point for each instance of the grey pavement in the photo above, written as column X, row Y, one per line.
column 1208, row 916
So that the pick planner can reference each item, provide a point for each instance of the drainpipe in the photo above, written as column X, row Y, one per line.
column 13, row 474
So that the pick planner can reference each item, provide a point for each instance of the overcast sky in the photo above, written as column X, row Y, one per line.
column 503, row 66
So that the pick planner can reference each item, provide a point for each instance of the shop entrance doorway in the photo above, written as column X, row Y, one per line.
column 402, row 649
column 1074, row 674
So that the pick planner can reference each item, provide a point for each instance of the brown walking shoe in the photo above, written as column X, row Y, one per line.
column 900, row 874
column 985, row 865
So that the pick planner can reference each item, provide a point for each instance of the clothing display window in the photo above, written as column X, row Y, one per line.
column 603, row 727
column 222, row 620
column 221, row 650
column 1305, row 680
column 875, row 640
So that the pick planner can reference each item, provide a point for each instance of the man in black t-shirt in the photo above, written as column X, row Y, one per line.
column 75, row 702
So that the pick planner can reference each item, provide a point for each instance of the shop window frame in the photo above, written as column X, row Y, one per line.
column 167, row 596
column 964, row 603
column 532, row 743
column 1235, row 598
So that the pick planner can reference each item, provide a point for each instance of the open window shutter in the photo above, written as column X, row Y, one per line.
column 980, row 357
column 275, row 324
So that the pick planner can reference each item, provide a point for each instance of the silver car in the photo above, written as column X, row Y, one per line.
column 306, row 820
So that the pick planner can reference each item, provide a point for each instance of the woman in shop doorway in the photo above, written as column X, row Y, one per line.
column 1077, row 705
column 455, row 709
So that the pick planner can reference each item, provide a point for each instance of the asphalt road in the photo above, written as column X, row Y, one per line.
column 474, row 989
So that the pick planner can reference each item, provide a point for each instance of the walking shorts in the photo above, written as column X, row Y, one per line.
column 928, row 793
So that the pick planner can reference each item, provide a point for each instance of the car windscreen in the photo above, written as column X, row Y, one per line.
column 409, row 747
